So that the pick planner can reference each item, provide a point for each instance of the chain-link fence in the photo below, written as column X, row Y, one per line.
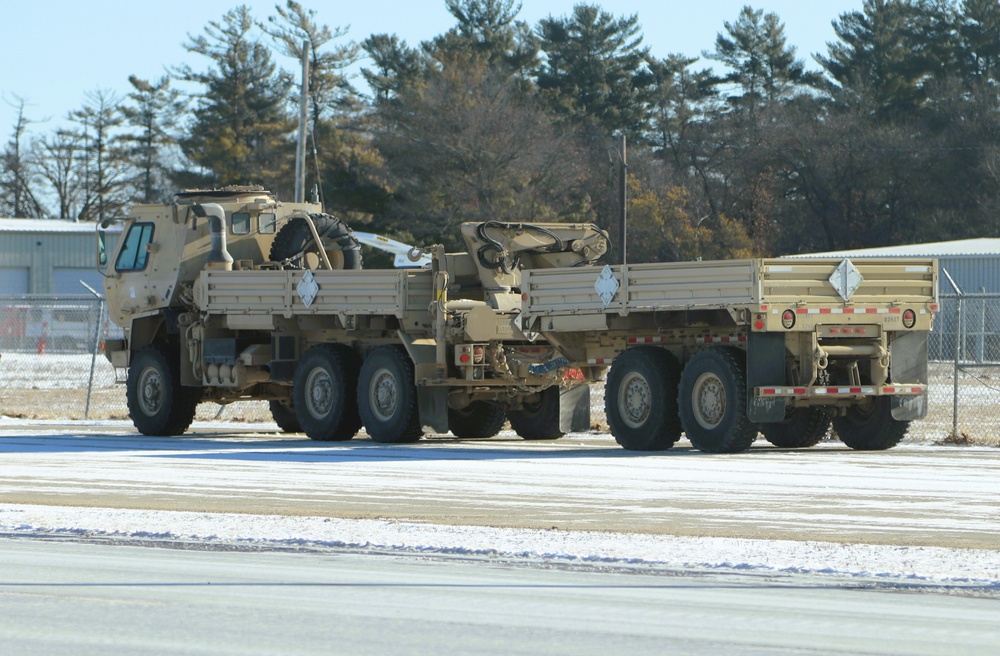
column 52, row 366
column 52, row 363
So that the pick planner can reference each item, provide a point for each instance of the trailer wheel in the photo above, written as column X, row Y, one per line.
column 387, row 396
column 325, row 393
column 157, row 402
column 478, row 420
column 538, row 420
column 713, row 401
column 294, row 240
column 870, row 426
column 640, row 399
column 805, row 427
column 284, row 415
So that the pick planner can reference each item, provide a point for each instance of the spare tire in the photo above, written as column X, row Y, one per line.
column 295, row 240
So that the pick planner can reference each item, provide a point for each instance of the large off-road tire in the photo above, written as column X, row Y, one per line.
column 157, row 402
column 870, row 426
column 387, row 396
column 325, row 393
column 284, row 415
column 803, row 428
column 294, row 240
column 640, row 399
column 713, row 401
column 478, row 420
column 538, row 420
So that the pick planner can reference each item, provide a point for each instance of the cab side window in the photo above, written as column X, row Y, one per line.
column 267, row 223
column 134, row 255
column 241, row 223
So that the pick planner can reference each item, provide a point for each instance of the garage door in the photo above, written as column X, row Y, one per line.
column 13, row 280
column 67, row 280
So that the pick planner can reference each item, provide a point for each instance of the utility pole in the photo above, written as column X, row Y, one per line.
column 623, row 204
column 300, row 151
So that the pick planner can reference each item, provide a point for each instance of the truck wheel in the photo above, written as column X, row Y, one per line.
column 157, row 402
column 538, row 420
column 870, row 426
column 478, row 420
column 284, row 415
column 387, row 396
column 295, row 239
column 325, row 393
column 805, row 427
column 640, row 399
column 713, row 401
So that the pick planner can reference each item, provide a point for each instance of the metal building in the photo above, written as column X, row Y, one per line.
column 40, row 256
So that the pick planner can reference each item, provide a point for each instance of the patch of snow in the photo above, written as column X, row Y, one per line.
column 932, row 564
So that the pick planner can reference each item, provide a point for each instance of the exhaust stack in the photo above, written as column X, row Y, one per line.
column 218, row 256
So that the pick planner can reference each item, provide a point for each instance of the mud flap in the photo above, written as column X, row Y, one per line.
column 432, row 402
column 765, row 367
column 908, row 364
column 574, row 409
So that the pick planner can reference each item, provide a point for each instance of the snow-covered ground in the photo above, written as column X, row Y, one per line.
column 472, row 465
column 976, row 567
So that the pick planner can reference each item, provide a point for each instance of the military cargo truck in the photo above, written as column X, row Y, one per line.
column 230, row 295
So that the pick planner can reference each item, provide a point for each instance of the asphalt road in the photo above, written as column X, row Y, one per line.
column 914, row 495
column 63, row 597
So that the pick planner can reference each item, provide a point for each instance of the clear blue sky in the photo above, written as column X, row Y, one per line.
column 55, row 51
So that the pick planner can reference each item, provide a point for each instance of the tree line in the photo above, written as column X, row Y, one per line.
column 743, row 151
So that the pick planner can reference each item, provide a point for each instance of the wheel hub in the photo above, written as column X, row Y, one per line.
column 709, row 400
column 384, row 394
column 635, row 400
column 150, row 391
column 319, row 397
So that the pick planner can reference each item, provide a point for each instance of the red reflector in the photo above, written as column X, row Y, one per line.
column 835, row 331
column 855, row 390
column 464, row 358
column 800, row 390
column 889, row 390
column 862, row 331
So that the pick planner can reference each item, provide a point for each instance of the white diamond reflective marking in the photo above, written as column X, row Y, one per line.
column 846, row 279
column 606, row 285
column 307, row 288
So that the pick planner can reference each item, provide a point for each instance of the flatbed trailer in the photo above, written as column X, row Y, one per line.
column 719, row 350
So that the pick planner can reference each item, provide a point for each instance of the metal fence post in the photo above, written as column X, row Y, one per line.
column 958, row 358
column 958, row 348
column 94, row 345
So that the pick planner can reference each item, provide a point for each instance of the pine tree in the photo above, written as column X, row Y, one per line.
column 595, row 69
column 489, row 29
column 979, row 27
column 242, row 128
column 105, row 169
column 888, row 51
column 397, row 66
column 761, row 63
column 155, row 114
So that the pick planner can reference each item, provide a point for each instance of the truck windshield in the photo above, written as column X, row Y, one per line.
column 134, row 254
